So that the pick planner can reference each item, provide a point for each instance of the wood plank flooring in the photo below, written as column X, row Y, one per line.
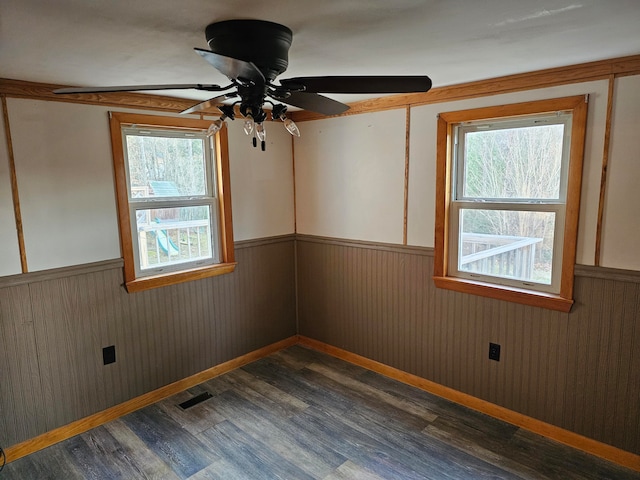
column 300, row 414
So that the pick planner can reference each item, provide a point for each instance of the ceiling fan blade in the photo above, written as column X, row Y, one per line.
column 314, row 102
column 136, row 88
column 233, row 68
column 212, row 102
column 360, row 84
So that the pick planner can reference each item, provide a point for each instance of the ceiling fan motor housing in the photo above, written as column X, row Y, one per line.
column 265, row 44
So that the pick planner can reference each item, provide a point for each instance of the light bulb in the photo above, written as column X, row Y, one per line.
column 291, row 127
column 249, row 125
column 261, row 133
column 215, row 127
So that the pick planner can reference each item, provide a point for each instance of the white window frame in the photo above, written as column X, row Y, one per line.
column 558, row 296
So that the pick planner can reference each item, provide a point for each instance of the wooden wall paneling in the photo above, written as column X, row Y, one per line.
column 66, row 333
column 54, row 329
column 117, row 327
column 22, row 407
column 589, row 328
column 572, row 370
column 587, row 354
column 629, row 366
column 271, row 313
column 608, row 351
column 619, row 357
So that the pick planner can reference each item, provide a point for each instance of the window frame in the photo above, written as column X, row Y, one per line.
column 444, row 274
column 219, row 181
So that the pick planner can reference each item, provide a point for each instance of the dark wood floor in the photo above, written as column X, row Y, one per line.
column 300, row 414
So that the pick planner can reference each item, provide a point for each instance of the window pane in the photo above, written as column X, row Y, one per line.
column 523, row 163
column 507, row 244
column 168, row 236
column 166, row 166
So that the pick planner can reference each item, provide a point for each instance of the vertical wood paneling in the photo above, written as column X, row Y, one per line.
column 53, row 332
column 20, row 410
column 578, row 371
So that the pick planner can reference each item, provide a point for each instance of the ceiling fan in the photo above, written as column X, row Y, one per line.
column 251, row 54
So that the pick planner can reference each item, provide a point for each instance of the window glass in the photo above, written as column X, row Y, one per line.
column 165, row 166
column 513, row 163
column 507, row 244
column 172, row 236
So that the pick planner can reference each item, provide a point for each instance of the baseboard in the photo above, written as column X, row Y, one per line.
column 84, row 424
column 588, row 445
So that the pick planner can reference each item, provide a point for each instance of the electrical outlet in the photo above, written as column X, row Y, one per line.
column 494, row 352
column 109, row 354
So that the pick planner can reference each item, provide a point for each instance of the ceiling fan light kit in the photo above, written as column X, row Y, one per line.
column 252, row 54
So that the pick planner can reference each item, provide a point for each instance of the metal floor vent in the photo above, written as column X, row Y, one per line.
column 195, row 400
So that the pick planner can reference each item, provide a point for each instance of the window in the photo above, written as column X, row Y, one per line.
column 173, row 199
column 508, row 192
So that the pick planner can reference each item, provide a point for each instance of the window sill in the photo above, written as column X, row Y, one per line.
column 173, row 278
column 509, row 294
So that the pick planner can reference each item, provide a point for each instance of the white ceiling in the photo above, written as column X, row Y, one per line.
column 125, row 42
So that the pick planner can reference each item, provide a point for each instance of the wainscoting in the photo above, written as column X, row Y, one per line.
column 53, row 326
column 577, row 371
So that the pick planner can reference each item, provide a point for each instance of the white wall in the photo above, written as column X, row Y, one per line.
column 9, row 250
column 621, row 222
column 63, row 162
column 62, row 154
column 261, row 183
column 349, row 167
column 350, row 177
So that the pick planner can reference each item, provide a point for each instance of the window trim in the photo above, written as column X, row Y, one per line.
column 562, row 301
column 227, row 264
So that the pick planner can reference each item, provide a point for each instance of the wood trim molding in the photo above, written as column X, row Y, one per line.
column 551, row 77
column 605, row 165
column 443, row 197
column 14, row 187
column 223, row 176
column 44, row 91
column 389, row 247
column 593, row 447
column 293, row 175
column 553, row 432
column 116, row 263
column 574, row 191
column 584, row 72
column 80, row 426
column 57, row 273
column 508, row 294
column 407, row 151
column 606, row 273
column 258, row 242
column 174, row 278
